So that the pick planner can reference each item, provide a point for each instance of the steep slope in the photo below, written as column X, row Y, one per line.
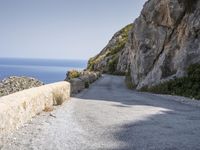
column 107, row 60
column 165, row 41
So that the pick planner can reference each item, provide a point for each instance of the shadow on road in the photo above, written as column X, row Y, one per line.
column 173, row 126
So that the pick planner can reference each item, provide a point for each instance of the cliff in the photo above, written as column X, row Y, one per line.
column 164, row 42
column 107, row 60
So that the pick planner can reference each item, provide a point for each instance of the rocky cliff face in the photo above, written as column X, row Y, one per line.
column 164, row 42
column 107, row 60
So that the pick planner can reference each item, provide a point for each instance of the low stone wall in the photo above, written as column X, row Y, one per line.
column 90, row 77
column 77, row 85
column 18, row 108
column 83, row 81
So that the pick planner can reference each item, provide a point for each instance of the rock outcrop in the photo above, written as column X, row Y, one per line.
column 14, row 84
column 163, row 43
column 107, row 60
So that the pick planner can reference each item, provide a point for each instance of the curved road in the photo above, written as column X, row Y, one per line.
column 109, row 116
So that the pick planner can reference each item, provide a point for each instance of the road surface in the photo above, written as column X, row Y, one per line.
column 111, row 117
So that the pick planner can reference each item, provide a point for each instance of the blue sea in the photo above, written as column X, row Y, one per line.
column 46, row 70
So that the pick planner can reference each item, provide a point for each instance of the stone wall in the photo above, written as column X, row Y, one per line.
column 18, row 108
column 77, row 85
column 83, row 81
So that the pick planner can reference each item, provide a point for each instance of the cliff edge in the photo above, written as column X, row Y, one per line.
column 163, row 43
column 108, row 59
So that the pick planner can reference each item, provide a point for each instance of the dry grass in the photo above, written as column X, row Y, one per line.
column 48, row 109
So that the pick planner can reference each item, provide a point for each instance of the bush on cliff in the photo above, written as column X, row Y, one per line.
column 186, row 86
column 112, row 65
column 73, row 74
column 120, row 44
column 128, row 80
column 94, row 64
column 87, row 84
column 91, row 64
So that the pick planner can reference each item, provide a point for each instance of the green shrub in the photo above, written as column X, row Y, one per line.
column 128, row 80
column 115, row 49
column 111, row 51
column 87, row 85
column 73, row 74
column 91, row 64
column 129, row 83
column 186, row 86
column 194, row 72
column 112, row 65
column 121, row 42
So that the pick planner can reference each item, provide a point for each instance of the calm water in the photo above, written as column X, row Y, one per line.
column 46, row 70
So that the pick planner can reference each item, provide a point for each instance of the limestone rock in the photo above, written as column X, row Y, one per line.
column 161, row 44
column 107, row 60
column 165, row 40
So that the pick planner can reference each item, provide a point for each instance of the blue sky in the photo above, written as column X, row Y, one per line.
column 62, row 29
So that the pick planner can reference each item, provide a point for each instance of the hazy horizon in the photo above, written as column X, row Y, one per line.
column 62, row 29
column 44, row 58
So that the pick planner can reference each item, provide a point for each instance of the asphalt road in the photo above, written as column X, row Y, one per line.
column 109, row 116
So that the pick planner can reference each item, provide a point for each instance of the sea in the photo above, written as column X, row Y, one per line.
column 45, row 70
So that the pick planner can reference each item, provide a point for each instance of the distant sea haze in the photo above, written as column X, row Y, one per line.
column 46, row 70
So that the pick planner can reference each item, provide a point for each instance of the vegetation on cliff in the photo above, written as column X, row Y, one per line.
column 188, row 86
column 107, row 60
column 128, row 80
column 73, row 74
column 160, row 45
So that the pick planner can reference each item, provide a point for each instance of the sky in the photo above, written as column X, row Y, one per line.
column 62, row 29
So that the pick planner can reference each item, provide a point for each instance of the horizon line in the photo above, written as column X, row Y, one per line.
column 43, row 58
